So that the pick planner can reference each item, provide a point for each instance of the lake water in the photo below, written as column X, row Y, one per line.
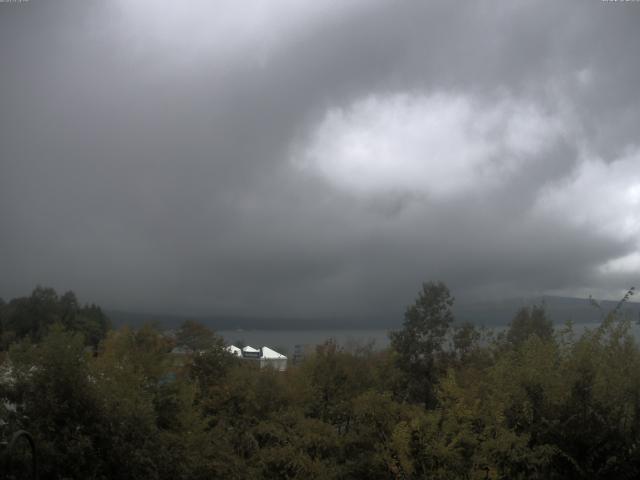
column 284, row 341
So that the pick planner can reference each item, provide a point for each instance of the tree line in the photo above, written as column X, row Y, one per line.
column 444, row 401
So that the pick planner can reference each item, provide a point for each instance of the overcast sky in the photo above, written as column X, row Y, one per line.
column 310, row 159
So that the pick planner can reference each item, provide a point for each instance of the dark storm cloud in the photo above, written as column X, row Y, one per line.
column 197, row 158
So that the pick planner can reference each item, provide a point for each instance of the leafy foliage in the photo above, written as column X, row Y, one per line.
column 445, row 402
column 529, row 321
column 421, row 341
column 31, row 317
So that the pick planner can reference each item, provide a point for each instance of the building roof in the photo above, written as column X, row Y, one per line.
column 233, row 350
column 250, row 349
column 269, row 354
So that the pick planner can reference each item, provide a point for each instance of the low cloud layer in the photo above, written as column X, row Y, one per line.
column 284, row 159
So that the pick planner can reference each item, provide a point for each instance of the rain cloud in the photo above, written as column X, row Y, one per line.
column 310, row 160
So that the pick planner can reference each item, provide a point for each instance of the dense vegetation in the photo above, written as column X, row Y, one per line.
column 446, row 401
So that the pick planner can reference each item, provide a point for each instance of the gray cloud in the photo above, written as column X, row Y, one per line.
column 150, row 155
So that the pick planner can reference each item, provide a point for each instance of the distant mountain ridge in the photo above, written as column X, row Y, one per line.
column 559, row 310
column 489, row 313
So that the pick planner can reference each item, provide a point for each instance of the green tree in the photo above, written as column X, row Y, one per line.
column 420, row 342
column 55, row 400
column 210, row 366
column 195, row 335
column 530, row 321
column 31, row 317
column 465, row 340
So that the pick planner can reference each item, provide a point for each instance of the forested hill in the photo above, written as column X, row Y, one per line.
column 488, row 313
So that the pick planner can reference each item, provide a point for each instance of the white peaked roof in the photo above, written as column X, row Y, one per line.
column 269, row 354
column 250, row 349
column 233, row 350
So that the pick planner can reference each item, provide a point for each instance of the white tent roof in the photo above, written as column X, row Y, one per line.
column 268, row 354
column 232, row 349
column 249, row 348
